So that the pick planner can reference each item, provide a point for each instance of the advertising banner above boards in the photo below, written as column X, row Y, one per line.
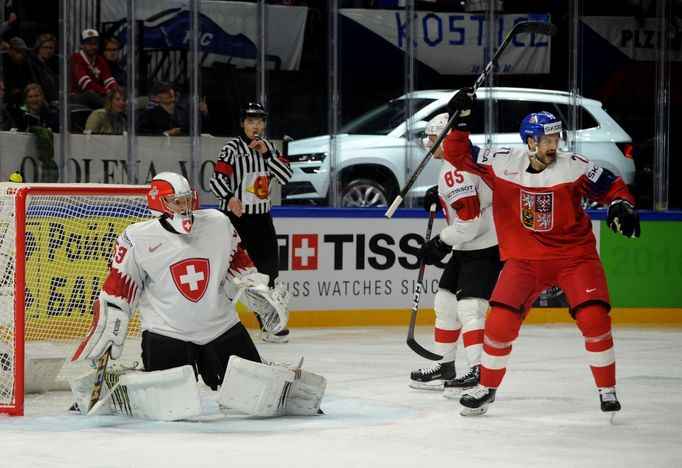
column 228, row 31
column 102, row 159
column 455, row 43
column 640, row 41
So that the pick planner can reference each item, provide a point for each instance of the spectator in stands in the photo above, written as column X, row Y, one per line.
column 164, row 116
column 112, row 55
column 16, row 70
column 6, row 119
column 42, row 121
column 90, row 75
column 42, row 61
column 35, row 112
column 9, row 23
column 111, row 119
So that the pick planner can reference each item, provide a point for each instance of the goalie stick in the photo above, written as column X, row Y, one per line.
column 537, row 27
column 411, row 342
column 99, row 381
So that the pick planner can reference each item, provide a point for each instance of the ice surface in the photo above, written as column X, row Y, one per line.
column 546, row 413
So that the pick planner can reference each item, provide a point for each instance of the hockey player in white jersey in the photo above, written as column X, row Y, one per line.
column 469, row 276
column 175, row 270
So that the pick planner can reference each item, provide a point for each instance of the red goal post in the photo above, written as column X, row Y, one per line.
column 55, row 244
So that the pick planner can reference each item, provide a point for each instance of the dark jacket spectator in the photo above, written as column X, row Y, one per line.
column 45, row 69
column 163, row 115
column 112, row 55
column 17, row 72
column 6, row 119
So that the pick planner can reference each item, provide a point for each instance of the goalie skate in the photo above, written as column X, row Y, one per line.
column 432, row 377
column 476, row 400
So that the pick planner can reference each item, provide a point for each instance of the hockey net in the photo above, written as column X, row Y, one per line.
column 55, row 244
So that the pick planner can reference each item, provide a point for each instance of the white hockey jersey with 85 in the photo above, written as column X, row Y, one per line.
column 178, row 282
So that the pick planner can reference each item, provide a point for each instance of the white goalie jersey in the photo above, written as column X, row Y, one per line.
column 188, row 300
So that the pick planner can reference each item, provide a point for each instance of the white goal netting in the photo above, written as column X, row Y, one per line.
column 55, row 244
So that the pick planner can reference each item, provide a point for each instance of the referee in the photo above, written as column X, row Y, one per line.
column 241, row 180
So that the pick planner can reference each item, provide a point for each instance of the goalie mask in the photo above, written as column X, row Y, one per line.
column 171, row 196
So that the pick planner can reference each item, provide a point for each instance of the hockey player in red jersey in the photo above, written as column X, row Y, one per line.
column 469, row 275
column 545, row 239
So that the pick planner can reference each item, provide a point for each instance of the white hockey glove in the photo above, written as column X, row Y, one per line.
column 109, row 328
column 269, row 303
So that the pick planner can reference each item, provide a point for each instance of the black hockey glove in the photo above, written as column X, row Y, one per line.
column 433, row 251
column 431, row 197
column 464, row 102
column 623, row 218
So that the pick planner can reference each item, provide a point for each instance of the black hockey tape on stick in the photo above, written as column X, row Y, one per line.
column 411, row 342
column 536, row 27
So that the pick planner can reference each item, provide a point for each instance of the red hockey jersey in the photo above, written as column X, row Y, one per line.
column 538, row 215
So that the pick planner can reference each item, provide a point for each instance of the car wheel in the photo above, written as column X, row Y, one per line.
column 364, row 193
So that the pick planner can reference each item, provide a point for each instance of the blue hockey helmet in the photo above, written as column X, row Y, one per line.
column 539, row 123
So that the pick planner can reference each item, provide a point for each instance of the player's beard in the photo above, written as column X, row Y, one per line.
column 548, row 158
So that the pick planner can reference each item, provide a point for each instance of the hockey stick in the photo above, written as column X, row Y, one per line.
column 411, row 342
column 537, row 27
column 99, row 381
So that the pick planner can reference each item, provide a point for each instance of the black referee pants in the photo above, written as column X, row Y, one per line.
column 259, row 239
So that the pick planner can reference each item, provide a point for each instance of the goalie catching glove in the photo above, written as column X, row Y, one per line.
column 269, row 303
column 623, row 218
column 109, row 328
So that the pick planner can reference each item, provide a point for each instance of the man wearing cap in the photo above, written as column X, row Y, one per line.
column 17, row 71
column 163, row 115
column 90, row 75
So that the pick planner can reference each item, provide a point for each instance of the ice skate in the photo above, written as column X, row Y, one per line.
column 432, row 377
column 279, row 337
column 452, row 389
column 476, row 400
column 609, row 401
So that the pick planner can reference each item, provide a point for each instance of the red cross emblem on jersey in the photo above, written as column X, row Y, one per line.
column 191, row 277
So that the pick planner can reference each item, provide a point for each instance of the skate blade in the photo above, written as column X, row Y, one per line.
column 433, row 387
column 452, row 393
column 612, row 414
column 474, row 411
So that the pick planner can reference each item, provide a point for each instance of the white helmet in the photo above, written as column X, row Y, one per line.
column 437, row 124
column 171, row 195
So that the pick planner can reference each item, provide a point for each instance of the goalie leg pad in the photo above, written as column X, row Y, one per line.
column 270, row 389
column 165, row 395
column 81, row 387
column 306, row 395
column 255, row 388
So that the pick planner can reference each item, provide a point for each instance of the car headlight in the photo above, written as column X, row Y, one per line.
column 307, row 157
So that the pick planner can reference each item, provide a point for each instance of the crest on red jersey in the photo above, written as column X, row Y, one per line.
column 191, row 277
column 537, row 210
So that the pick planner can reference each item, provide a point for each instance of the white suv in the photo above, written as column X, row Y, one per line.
column 374, row 158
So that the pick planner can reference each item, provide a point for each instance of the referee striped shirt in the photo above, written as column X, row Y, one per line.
column 245, row 173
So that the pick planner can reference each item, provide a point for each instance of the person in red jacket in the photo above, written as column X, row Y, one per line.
column 546, row 239
column 90, row 76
